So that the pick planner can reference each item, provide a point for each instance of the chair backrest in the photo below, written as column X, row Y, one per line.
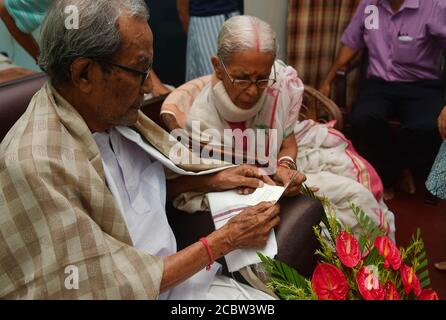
column 15, row 97
column 315, row 105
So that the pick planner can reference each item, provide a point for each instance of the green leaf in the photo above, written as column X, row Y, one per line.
column 426, row 283
column 372, row 257
column 423, row 275
column 282, row 272
column 421, row 265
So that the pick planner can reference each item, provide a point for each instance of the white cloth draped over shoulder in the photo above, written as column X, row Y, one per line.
column 325, row 156
column 139, row 187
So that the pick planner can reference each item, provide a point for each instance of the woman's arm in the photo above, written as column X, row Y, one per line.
column 283, row 173
column 289, row 147
column 249, row 229
column 242, row 176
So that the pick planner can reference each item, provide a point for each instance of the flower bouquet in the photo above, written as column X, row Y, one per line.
column 367, row 267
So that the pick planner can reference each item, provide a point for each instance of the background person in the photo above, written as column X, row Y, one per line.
column 202, row 20
column 403, row 80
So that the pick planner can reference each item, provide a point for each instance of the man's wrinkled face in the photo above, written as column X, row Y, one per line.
column 120, row 93
column 245, row 65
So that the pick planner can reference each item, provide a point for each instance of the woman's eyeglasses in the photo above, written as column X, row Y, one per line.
column 245, row 84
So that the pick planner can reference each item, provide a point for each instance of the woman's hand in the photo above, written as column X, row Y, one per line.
column 284, row 175
column 245, row 178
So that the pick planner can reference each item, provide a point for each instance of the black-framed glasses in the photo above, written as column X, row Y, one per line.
column 245, row 83
column 144, row 74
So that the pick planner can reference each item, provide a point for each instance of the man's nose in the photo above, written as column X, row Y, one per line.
column 147, row 85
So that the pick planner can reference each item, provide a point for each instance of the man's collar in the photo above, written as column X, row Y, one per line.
column 408, row 4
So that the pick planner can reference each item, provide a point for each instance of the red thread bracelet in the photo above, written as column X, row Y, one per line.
column 209, row 250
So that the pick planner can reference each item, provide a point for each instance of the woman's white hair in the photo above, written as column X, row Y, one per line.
column 242, row 33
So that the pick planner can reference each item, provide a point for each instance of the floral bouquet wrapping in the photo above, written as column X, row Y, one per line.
column 366, row 267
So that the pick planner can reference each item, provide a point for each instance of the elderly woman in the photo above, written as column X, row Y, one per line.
column 250, row 89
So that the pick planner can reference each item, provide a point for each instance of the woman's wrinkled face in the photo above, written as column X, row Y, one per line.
column 245, row 65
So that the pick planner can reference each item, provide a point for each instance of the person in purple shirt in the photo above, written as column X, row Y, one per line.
column 405, row 40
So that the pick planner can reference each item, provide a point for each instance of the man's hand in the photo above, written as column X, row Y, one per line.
column 246, row 178
column 325, row 89
column 283, row 176
column 183, row 13
column 250, row 229
column 442, row 123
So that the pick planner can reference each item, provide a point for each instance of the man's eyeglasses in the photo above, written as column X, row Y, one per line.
column 144, row 74
column 245, row 84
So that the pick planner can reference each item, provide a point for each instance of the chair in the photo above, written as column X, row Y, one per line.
column 15, row 97
column 9, row 71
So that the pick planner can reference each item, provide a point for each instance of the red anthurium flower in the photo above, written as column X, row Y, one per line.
column 410, row 280
column 427, row 294
column 348, row 250
column 329, row 282
column 389, row 251
column 368, row 283
column 390, row 292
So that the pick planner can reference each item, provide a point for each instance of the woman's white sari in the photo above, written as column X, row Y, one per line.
column 325, row 156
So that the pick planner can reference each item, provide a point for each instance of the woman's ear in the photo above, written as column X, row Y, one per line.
column 217, row 67
column 82, row 70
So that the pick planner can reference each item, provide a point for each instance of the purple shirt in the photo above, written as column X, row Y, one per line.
column 407, row 45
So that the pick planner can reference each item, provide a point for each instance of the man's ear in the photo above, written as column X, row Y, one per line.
column 217, row 67
column 82, row 74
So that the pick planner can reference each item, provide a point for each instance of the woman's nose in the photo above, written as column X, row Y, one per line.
column 252, row 90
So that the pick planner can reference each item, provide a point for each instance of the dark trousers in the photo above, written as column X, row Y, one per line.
column 414, row 145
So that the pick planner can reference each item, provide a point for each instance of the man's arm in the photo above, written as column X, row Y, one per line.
column 436, row 26
column 345, row 55
column 183, row 13
column 442, row 123
column 24, row 39
column 352, row 41
column 249, row 229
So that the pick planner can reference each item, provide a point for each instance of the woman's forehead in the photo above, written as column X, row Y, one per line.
column 251, row 61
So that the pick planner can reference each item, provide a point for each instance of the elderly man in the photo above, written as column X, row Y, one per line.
column 404, row 45
column 82, row 207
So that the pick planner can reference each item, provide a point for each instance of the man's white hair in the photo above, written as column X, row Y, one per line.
column 98, row 36
column 242, row 33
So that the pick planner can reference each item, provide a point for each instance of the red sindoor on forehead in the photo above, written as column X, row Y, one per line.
column 256, row 33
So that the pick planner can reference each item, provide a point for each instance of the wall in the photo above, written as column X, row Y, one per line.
column 274, row 12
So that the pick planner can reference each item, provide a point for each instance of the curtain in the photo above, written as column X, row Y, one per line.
column 315, row 28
